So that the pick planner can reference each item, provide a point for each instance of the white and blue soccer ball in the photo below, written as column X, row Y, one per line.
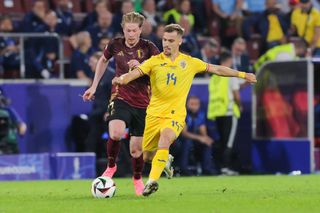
column 103, row 187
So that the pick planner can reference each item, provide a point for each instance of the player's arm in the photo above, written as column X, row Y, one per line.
column 100, row 69
column 202, row 137
column 228, row 72
column 128, row 77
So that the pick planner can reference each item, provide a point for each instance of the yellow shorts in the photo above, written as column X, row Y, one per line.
column 153, row 128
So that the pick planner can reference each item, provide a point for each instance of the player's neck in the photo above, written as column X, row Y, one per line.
column 174, row 55
column 130, row 46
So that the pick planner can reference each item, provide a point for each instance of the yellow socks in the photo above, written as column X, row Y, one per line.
column 158, row 164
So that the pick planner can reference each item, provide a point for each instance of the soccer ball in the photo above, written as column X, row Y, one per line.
column 103, row 187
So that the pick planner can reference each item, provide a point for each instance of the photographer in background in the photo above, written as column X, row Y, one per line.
column 11, row 126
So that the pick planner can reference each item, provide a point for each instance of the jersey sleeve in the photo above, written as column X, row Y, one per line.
column 199, row 65
column 109, row 50
column 146, row 66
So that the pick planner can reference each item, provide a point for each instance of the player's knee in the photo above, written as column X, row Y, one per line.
column 135, row 153
column 147, row 158
column 116, row 135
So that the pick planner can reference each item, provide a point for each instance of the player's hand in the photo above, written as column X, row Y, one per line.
column 251, row 78
column 89, row 94
column 133, row 63
column 206, row 140
column 118, row 81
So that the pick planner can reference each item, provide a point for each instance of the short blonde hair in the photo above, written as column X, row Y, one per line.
column 132, row 17
column 174, row 28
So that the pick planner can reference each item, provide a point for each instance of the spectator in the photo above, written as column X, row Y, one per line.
column 195, row 137
column 34, row 19
column 103, row 43
column 44, row 57
column 229, row 13
column 224, row 109
column 293, row 4
column 11, row 125
column 102, row 28
column 80, row 58
column 65, row 18
column 91, row 19
column 305, row 22
column 9, row 51
column 126, row 7
column 149, row 12
column 253, row 7
column 252, row 10
column 190, row 44
column 272, row 26
column 198, row 9
column 239, row 56
column 210, row 51
column 158, row 35
column 147, row 32
column 183, row 9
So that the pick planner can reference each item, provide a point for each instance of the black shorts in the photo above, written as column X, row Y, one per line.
column 132, row 116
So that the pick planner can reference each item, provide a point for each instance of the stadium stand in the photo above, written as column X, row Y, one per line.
column 11, row 6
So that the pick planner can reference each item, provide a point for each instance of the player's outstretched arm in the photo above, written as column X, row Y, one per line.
column 100, row 69
column 228, row 72
column 126, row 78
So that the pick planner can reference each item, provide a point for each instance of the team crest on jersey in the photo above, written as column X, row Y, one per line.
column 183, row 64
column 140, row 53
column 120, row 53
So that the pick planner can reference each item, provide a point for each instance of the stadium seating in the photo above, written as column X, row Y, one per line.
column 27, row 6
column 76, row 5
column 11, row 6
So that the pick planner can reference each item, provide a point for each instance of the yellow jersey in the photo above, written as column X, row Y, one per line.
column 170, row 83
column 305, row 23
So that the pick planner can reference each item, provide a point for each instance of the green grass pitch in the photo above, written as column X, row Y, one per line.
column 195, row 194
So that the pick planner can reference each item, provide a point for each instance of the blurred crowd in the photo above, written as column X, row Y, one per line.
column 246, row 28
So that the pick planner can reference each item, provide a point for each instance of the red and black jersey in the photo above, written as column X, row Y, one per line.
column 137, row 92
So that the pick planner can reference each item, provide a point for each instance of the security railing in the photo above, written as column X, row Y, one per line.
column 23, row 36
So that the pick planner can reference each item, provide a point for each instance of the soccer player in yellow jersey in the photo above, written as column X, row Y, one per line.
column 171, row 74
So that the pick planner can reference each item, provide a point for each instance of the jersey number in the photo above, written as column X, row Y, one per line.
column 176, row 124
column 171, row 77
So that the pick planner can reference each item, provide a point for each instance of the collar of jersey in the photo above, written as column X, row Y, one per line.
column 169, row 60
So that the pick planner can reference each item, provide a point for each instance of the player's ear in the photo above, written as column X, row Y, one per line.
column 180, row 40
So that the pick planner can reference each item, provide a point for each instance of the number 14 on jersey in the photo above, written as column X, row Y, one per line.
column 171, row 77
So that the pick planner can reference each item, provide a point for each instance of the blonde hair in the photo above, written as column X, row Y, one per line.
column 132, row 17
column 174, row 28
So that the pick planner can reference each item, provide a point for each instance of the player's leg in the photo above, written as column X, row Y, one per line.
column 150, row 141
column 167, row 136
column 137, row 126
column 116, row 131
column 137, row 163
column 118, row 119
column 169, row 131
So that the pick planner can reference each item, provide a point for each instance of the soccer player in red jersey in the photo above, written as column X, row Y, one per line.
column 128, row 103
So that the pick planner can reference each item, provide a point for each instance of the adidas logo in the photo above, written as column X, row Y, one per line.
column 120, row 53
